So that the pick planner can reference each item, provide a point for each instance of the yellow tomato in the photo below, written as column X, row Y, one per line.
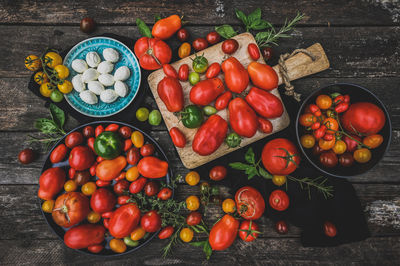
column 324, row 101
column 192, row 178
column 192, row 203
column 62, row 71
column 46, row 89
column 339, row 147
column 228, row 206
column 117, row 245
column 307, row 141
column 184, row 50
column 279, row 180
column 52, row 59
column 48, row 206
column 186, row 234
column 40, row 78
column 362, row 155
column 137, row 139
column 70, row 185
column 137, row 233
column 32, row 62
column 132, row 174
column 93, row 217
column 65, row 87
column 89, row 188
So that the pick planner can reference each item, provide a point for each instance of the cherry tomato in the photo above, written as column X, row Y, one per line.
column 165, row 193
column 147, row 150
column 346, row 159
column 70, row 185
column 330, row 229
column 373, row 141
column 93, row 217
column 98, row 130
column 166, row 232
column 228, row 206
column 151, row 221
column 320, row 132
column 266, row 53
column 137, row 185
column 74, row 139
column 218, row 173
column 326, row 144
column 213, row 70
column 230, row 46
column 339, row 147
column 265, row 125
column 248, row 231
column 182, row 35
column 48, row 206
column 331, row 125
column 194, row 218
column 351, row 143
column 26, row 156
column 328, row 159
column 151, row 189
column 89, row 188
column 137, row 139
column 32, row 62
column 213, row 37
column 362, row 155
column 192, row 178
column 133, row 156
column 249, row 203
column 121, row 187
column 117, row 245
column 315, row 125
column 95, row 248
column 186, row 235
column 125, row 132
column 200, row 44
column 102, row 183
column 138, row 233
column 281, row 227
column 132, row 174
column 307, row 120
column 112, row 127
column 317, row 150
column 324, row 101
column 253, row 51
column 279, row 200
column 170, row 71
column 183, row 72
column 279, row 180
column 87, row 25
column 88, row 131
column 192, row 203
column 307, row 141
column 184, row 50
column 123, row 199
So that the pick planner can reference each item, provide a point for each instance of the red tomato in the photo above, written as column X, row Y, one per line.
column 106, row 215
column 177, row 137
column 264, row 103
column 166, row 232
column 99, row 129
column 123, row 220
column 164, row 28
column 230, row 46
column 102, row 200
column 70, row 209
column 213, row 70
column 265, row 125
column 123, row 199
column 95, row 248
column 267, row 53
column 151, row 221
column 249, row 203
column 127, row 144
column 350, row 143
column 74, row 139
column 165, row 193
column 151, row 188
column 121, row 187
column 102, row 183
column 90, row 143
column 152, row 167
column 223, row 100
column 263, row 76
column 236, row 76
column 26, row 156
column 71, row 173
column 112, row 127
column 170, row 71
column 206, row 91
column 248, row 231
column 182, row 35
column 242, row 118
column 133, row 156
column 279, row 200
column 152, row 53
column 51, row 182
column 171, row 93
column 330, row 229
column 81, row 158
column 272, row 155
column 125, row 132
column 194, row 218
column 88, row 132
column 223, row 233
column 213, row 37
column 183, row 72
column 84, row 235
column 200, row 44
column 253, row 50
column 281, row 227
column 328, row 159
column 137, row 185
column 365, row 118
column 92, row 169
column 147, row 149
column 218, row 173
column 59, row 153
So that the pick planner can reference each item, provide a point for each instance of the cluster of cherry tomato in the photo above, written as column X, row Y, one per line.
column 328, row 138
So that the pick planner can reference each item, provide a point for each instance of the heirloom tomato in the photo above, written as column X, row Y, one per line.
column 147, row 149
column 218, row 173
column 223, row 100
column 166, row 232
column 279, row 200
column 81, row 158
column 213, row 70
column 199, row 64
column 59, row 153
column 351, row 143
column 223, row 233
column 249, row 203
column 328, row 159
column 280, row 157
column 51, row 182
column 85, row 235
column 248, row 231
column 206, row 91
column 253, row 51
column 152, row 53
column 363, row 118
column 229, row 46
column 177, row 137
column 102, row 200
column 125, row 132
column 171, row 93
column 151, row 188
column 121, row 187
column 150, row 221
column 70, row 209
column 236, row 76
column 194, row 78
column 123, row 220
column 170, row 71
column 164, row 28
column 266, row 53
column 263, row 76
column 152, row 167
column 242, row 118
column 264, row 103
column 107, row 170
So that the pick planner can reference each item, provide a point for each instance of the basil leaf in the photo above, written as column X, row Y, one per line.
column 249, row 156
column 58, row 115
column 240, row 15
column 207, row 250
column 45, row 125
column 261, row 25
column 264, row 173
column 198, row 244
column 157, row 17
column 251, row 172
column 254, row 16
column 226, row 31
column 143, row 28
column 239, row 166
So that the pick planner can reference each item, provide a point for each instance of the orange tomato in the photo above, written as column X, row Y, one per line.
column 138, row 233
column 70, row 185
column 184, row 50
column 373, row 141
column 32, row 62
column 331, row 125
column 192, row 203
column 132, row 174
column 362, row 155
column 137, row 139
column 339, row 147
column 324, row 101
column 117, row 245
column 307, row 119
column 263, row 76
column 326, row 144
column 307, row 141
column 107, row 170
column 164, row 28
column 89, row 188
column 228, row 206
column 93, row 217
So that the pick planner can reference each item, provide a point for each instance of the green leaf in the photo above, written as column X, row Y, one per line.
column 143, row 28
column 157, row 17
column 198, row 244
column 254, row 16
column 226, row 31
column 264, row 173
column 249, row 156
column 239, row 166
column 240, row 15
column 251, row 172
column 207, row 250
column 261, row 25
column 45, row 125
column 58, row 115
column 195, row 229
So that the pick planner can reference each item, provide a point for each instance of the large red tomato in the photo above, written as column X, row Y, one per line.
column 102, row 200
column 365, row 118
column 249, row 203
column 70, row 208
column 123, row 220
column 151, row 221
column 81, row 158
column 242, row 118
column 85, row 235
column 223, row 233
column 51, row 182
column 152, row 53
column 280, row 157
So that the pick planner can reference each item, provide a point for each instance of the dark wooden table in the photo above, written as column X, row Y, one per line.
column 361, row 39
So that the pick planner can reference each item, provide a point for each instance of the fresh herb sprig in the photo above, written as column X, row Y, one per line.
column 144, row 30
column 253, row 21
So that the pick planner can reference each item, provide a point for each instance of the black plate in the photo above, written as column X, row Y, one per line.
column 357, row 94
column 60, row 231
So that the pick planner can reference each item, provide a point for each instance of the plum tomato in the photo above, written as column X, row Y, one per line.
column 125, row 132
column 138, row 233
column 194, row 218
column 330, row 229
column 74, row 139
column 324, row 101
column 279, row 200
column 217, row 173
column 200, row 44
column 88, row 132
column 26, row 156
column 213, row 37
column 230, row 46
column 248, row 231
column 184, row 50
column 137, row 185
column 166, row 232
column 346, row 159
column 151, row 221
column 121, row 187
column 151, row 188
column 317, row 150
column 362, row 155
column 253, row 51
column 307, row 141
column 328, row 159
column 133, row 156
column 117, row 245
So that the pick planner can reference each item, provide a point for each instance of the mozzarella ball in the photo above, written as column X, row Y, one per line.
column 90, row 74
column 88, row 97
column 79, row 65
column 78, row 83
column 122, row 73
column 93, row 59
column 106, row 79
column 121, row 89
column 111, row 55
column 108, row 96
column 95, row 87
column 105, row 67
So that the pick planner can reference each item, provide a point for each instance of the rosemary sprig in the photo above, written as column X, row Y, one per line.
column 173, row 241
column 318, row 183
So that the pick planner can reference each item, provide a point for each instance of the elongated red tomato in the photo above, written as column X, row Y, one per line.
column 183, row 72
column 166, row 27
column 166, row 232
column 236, row 76
column 249, row 203
column 123, row 220
column 152, row 53
column 169, row 71
column 177, row 137
column 264, row 103
column 263, row 76
column 265, row 125
column 242, row 118
column 206, row 91
column 152, row 167
column 85, row 235
column 213, row 70
column 223, row 100
column 59, row 153
column 51, row 182
column 171, row 93
column 253, row 51
column 223, row 233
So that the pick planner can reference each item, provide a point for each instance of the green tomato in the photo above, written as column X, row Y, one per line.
column 335, row 94
column 56, row 96
column 155, row 118
column 129, row 242
column 209, row 110
column 194, row 78
column 192, row 116
column 233, row 140
column 200, row 64
column 108, row 145
column 142, row 114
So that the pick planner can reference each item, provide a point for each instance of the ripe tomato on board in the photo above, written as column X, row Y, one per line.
column 177, row 137
column 123, row 220
column 264, row 103
column 152, row 53
column 84, row 235
column 249, row 203
column 265, row 125
column 171, row 93
column 236, row 76
column 183, row 72
column 263, row 76
column 170, row 71
column 213, row 70
column 206, row 91
column 223, row 233
column 70, row 208
column 223, row 100
column 242, row 118
column 280, row 157
column 59, row 153
column 253, row 51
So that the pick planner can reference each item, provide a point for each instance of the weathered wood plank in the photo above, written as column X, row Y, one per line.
column 352, row 51
column 200, row 12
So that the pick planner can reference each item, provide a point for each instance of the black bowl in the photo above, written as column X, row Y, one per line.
column 60, row 231
column 357, row 94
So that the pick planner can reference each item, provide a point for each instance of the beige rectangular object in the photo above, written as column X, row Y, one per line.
column 189, row 158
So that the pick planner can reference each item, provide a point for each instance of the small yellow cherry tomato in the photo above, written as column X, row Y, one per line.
column 192, row 178
column 48, row 206
column 307, row 141
column 89, row 188
column 32, row 62
column 339, row 147
column 184, row 50
column 186, row 234
column 228, row 206
column 137, row 233
column 65, row 87
column 132, row 174
column 62, row 71
column 362, row 155
column 52, row 59
column 46, row 89
column 373, row 141
column 70, row 185
column 137, row 139
column 324, row 101
column 279, row 180
column 117, row 245
column 192, row 203
column 93, row 217
column 40, row 77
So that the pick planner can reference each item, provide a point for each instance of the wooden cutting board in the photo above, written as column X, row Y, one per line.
column 298, row 66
